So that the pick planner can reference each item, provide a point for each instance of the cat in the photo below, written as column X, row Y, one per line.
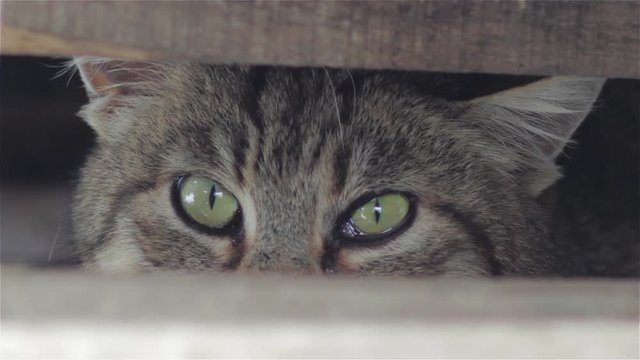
column 311, row 171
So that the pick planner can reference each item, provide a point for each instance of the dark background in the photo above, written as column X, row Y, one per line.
column 43, row 143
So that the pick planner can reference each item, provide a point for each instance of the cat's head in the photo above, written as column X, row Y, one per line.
column 234, row 168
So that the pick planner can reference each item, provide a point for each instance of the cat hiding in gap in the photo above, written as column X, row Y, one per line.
column 297, row 170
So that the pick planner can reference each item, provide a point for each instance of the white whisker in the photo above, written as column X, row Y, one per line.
column 353, row 84
column 53, row 244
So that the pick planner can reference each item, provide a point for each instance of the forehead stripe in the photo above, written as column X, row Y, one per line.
column 341, row 164
column 256, row 82
column 348, row 91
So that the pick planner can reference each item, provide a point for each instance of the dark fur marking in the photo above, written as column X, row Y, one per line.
column 240, row 145
column 238, row 242
column 256, row 82
column 292, row 118
column 477, row 233
column 278, row 155
column 289, row 147
column 325, row 130
column 399, row 263
column 315, row 156
column 170, row 249
column 341, row 167
column 328, row 261
column 348, row 91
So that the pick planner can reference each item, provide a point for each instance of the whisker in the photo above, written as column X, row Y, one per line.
column 353, row 83
column 53, row 244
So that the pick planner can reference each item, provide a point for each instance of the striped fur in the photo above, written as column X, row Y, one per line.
column 297, row 147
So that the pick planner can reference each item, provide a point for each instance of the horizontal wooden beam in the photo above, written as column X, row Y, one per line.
column 591, row 37
column 81, row 315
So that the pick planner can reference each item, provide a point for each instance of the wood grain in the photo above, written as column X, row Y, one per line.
column 520, row 37
column 73, row 314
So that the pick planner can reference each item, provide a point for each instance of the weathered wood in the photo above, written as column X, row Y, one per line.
column 590, row 37
column 55, row 314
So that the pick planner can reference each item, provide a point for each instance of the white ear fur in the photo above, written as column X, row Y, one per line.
column 103, row 76
column 533, row 123
column 114, row 87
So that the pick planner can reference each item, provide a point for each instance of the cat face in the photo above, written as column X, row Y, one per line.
column 231, row 168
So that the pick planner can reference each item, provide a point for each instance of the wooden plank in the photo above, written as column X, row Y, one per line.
column 81, row 315
column 589, row 37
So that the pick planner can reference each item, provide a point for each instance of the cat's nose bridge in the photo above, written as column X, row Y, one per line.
column 282, row 239
column 277, row 262
column 283, row 249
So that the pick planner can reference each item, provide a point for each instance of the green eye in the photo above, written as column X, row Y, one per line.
column 381, row 214
column 206, row 202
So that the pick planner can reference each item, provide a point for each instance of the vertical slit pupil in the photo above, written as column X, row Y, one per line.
column 377, row 210
column 212, row 197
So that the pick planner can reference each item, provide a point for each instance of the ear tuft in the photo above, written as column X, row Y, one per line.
column 114, row 76
column 115, row 87
column 530, row 125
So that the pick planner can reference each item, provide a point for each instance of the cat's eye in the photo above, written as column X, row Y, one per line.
column 381, row 214
column 206, row 202
column 378, row 217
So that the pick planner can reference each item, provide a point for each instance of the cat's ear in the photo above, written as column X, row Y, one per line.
column 102, row 76
column 113, row 85
column 532, row 124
